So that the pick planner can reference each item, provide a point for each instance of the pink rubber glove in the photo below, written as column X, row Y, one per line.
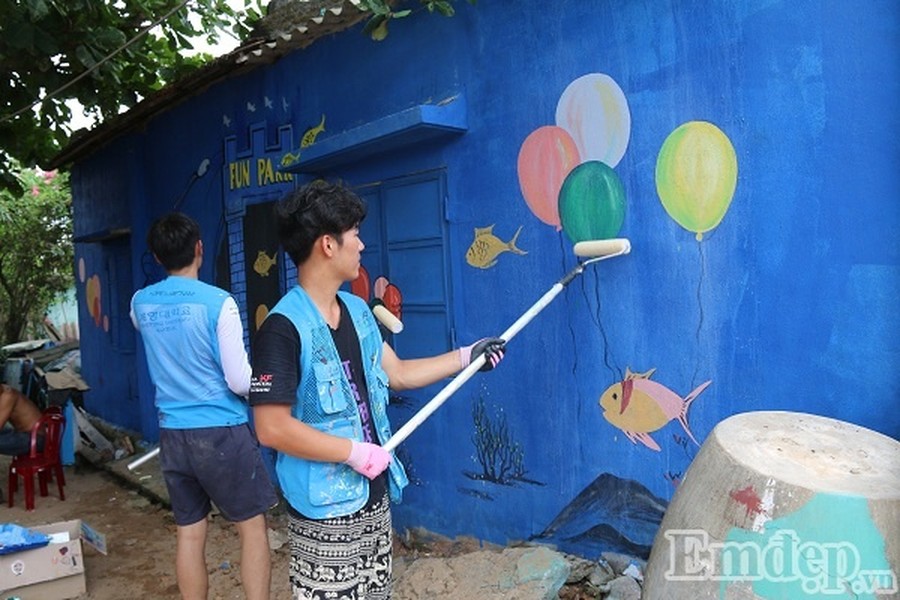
column 492, row 348
column 368, row 459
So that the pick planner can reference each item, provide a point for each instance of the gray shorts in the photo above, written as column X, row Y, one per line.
column 218, row 464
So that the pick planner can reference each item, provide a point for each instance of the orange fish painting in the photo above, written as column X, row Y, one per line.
column 639, row 407
column 486, row 247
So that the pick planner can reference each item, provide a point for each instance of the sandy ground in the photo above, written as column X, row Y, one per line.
column 140, row 538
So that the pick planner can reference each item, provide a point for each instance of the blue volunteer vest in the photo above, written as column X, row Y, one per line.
column 321, row 490
column 177, row 318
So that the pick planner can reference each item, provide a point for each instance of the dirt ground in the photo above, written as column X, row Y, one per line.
column 140, row 537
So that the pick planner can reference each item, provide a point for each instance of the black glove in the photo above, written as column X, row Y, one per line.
column 493, row 348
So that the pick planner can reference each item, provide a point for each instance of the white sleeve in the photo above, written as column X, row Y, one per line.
column 131, row 312
column 231, row 349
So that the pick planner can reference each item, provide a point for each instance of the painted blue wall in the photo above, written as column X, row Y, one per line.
column 787, row 304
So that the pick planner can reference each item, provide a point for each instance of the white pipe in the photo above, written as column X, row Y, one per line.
column 136, row 463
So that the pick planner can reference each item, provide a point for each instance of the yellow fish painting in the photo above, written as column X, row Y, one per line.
column 264, row 263
column 486, row 247
column 288, row 159
column 308, row 139
column 639, row 406
column 312, row 133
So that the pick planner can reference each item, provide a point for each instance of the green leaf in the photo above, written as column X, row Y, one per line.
column 19, row 37
column 109, row 37
column 378, row 7
column 84, row 56
column 37, row 9
column 380, row 32
column 445, row 8
column 373, row 23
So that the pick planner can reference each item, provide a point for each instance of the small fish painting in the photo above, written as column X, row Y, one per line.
column 486, row 247
column 309, row 137
column 639, row 406
column 290, row 158
column 264, row 263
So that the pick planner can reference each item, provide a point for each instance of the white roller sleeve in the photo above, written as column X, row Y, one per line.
column 386, row 318
column 595, row 248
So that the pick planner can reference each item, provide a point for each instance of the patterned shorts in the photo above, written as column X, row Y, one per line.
column 345, row 558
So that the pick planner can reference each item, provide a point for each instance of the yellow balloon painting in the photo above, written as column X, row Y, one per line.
column 696, row 175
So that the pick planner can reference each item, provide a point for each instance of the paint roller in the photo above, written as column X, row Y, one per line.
column 387, row 318
column 602, row 248
column 593, row 251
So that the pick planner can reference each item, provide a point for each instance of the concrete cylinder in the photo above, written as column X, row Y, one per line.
column 782, row 506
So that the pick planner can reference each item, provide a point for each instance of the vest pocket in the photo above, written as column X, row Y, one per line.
column 332, row 398
column 333, row 483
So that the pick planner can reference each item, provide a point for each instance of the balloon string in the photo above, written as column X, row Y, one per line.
column 562, row 253
column 700, row 311
column 595, row 316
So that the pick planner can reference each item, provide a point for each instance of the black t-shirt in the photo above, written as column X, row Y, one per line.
column 276, row 372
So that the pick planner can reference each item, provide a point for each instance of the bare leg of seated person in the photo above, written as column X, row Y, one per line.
column 17, row 409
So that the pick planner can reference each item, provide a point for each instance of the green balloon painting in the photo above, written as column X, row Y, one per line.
column 592, row 202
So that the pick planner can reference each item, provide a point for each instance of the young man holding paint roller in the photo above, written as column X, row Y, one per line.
column 319, row 393
column 194, row 342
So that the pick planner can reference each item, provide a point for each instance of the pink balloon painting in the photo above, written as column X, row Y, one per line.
column 546, row 157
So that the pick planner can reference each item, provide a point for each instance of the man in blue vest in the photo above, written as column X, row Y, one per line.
column 319, row 393
column 194, row 342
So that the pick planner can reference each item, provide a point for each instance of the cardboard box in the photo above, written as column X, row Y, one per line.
column 52, row 571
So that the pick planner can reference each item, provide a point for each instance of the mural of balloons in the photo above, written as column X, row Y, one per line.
column 393, row 300
column 696, row 175
column 262, row 311
column 381, row 283
column 592, row 202
column 360, row 285
column 384, row 293
column 594, row 111
column 546, row 157
column 92, row 296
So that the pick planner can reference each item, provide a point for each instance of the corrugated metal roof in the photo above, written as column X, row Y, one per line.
column 288, row 25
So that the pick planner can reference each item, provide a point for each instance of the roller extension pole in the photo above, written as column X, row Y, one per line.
column 598, row 250
column 138, row 462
